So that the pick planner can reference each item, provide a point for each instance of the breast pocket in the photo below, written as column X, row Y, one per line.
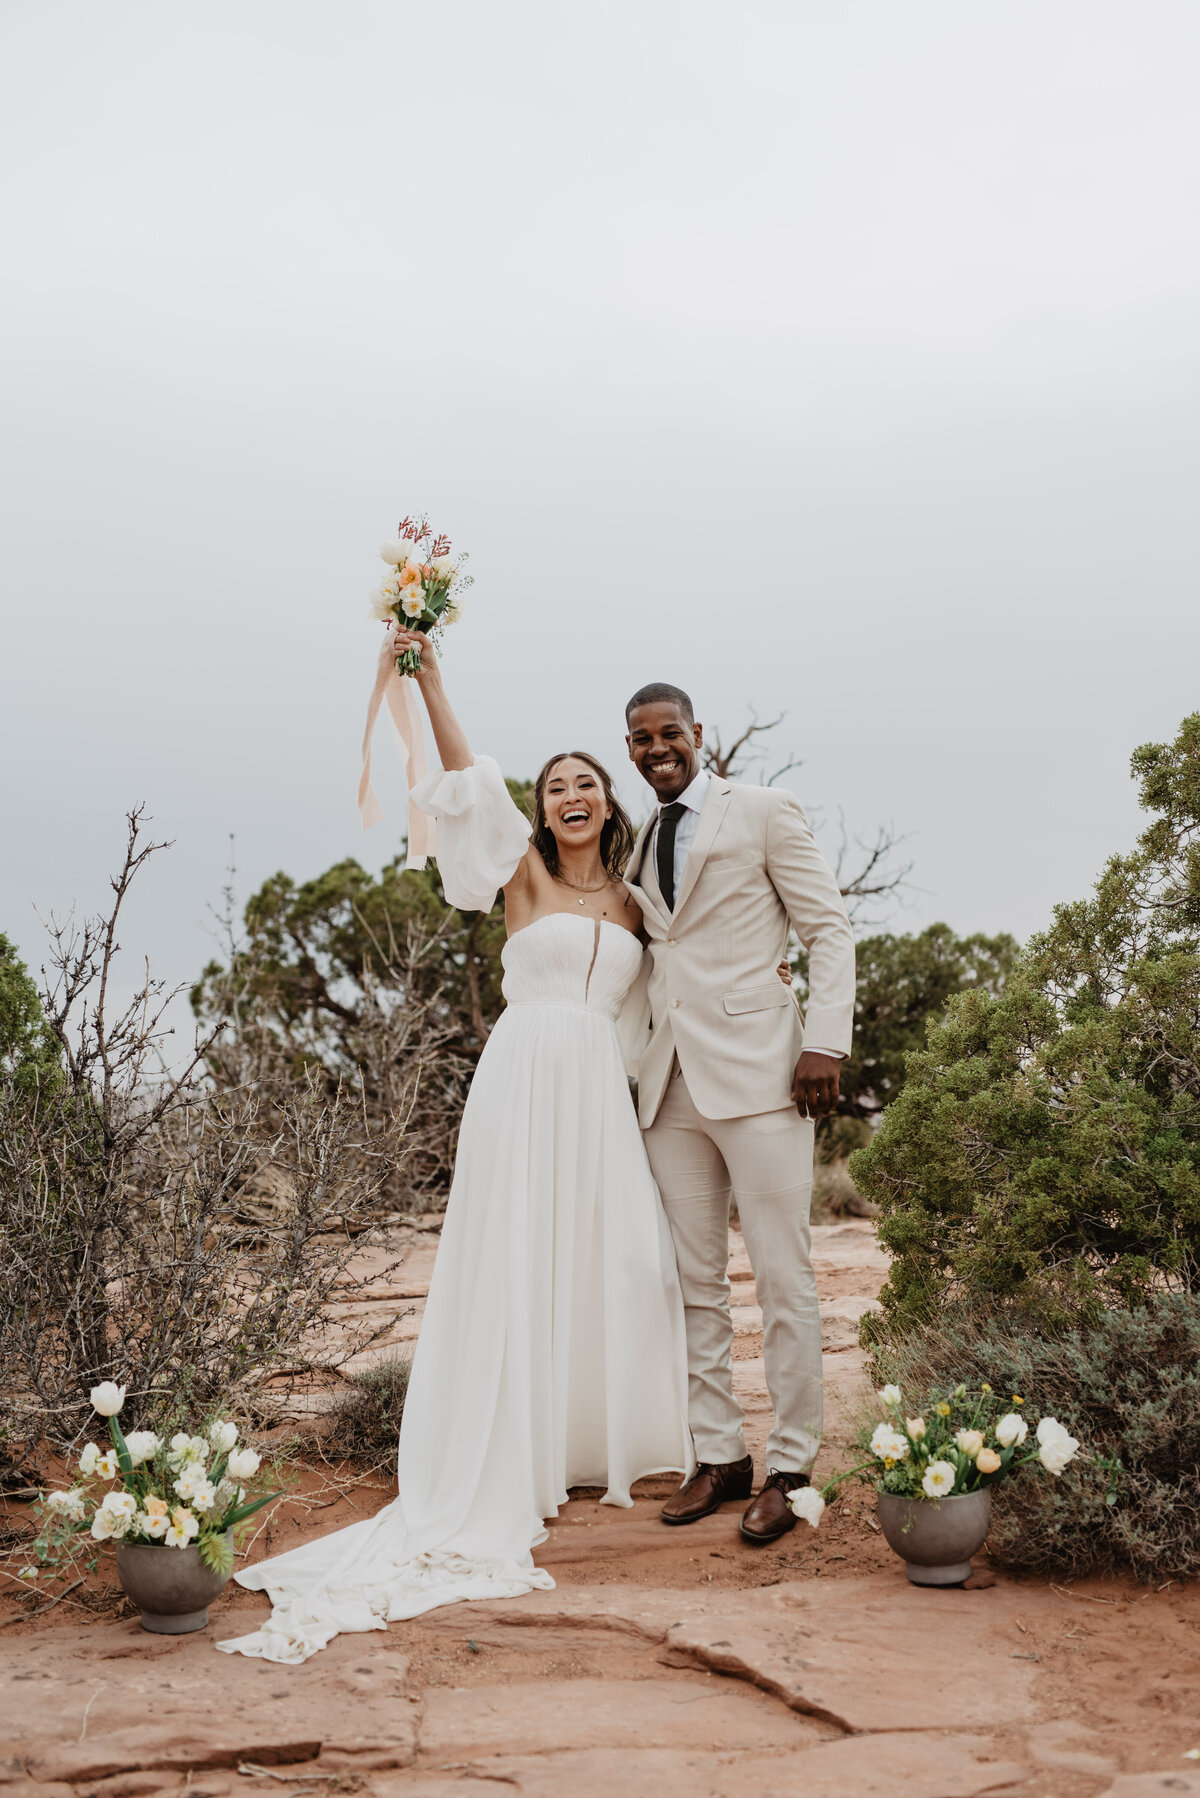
column 770, row 996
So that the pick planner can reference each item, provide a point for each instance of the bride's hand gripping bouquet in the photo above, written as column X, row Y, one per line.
column 423, row 588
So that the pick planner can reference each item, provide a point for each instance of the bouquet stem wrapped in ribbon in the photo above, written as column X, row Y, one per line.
column 423, row 592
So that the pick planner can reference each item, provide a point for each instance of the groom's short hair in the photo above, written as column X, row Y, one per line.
column 656, row 693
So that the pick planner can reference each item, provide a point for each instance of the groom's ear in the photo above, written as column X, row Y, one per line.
column 697, row 735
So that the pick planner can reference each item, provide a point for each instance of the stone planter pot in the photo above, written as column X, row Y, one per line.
column 935, row 1538
column 171, row 1587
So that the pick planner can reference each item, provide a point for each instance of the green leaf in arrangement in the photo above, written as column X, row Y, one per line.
column 241, row 1512
column 124, row 1458
column 217, row 1552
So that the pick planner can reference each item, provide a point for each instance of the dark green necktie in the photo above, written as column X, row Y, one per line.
column 664, row 852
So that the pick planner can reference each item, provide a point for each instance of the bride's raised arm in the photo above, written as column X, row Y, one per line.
column 482, row 837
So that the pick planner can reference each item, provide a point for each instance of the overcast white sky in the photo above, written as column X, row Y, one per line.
column 842, row 359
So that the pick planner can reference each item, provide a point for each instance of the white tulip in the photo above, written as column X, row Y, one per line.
column 391, row 552
column 244, row 1463
column 807, row 1502
column 938, row 1479
column 889, row 1395
column 969, row 1442
column 223, row 1436
column 442, row 565
column 107, row 1398
column 143, row 1445
column 1011, row 1431
column 1058, row 1446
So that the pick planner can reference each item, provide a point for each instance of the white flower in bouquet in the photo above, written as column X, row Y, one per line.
column 1011, row 1431
column 889, row 1444
column 189, row 1448
column 442, row 565
column 413, row 603
column 183, row 1528
column 155, row 1519
column 806, row 1502
column 223, row 1436
column 203, row 1496
column 915, row 1427
column 107, row 1398
column 988, row 1461
column 97, row 1465
column 392, row 552
column 244, row 1463
column 192, row 1479
column 889, row 1395
column 381, row 605
column 114, row 1516
column 143, row 1445
column 938, row 1479
column 969, row 1442
column 67, row 1504
column 1058, row 1446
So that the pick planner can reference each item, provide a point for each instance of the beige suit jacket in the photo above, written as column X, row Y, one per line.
column 714, row 997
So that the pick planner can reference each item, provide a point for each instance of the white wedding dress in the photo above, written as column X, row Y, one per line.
column 552, row 1349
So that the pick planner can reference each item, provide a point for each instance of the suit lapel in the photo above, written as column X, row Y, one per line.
column 640, row 876
column 712, row 813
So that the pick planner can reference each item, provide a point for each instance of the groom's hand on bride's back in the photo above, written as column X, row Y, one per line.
column 815, row 1084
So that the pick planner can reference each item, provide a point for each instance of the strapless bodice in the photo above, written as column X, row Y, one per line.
column 569, row 960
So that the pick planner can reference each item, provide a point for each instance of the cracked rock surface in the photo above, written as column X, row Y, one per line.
column 674, row 1663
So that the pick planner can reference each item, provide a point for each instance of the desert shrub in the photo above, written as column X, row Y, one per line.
column 1046, row 1144
column 28, row 1055
column 1128, row 1387
column 366, row 1418
column 178, row 1237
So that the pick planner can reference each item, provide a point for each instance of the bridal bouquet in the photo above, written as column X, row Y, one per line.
column 957, row 1442
column 188, row 1490
column 424, row 587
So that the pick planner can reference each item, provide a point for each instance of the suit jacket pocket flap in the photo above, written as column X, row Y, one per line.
column 771, row 996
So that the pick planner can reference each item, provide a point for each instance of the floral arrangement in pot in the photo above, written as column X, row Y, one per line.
column 169, row 1507
column 933, row 1473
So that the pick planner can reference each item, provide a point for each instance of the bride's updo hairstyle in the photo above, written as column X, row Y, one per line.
column 616, row 839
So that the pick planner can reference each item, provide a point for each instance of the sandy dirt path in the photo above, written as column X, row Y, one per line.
column 665, row 1662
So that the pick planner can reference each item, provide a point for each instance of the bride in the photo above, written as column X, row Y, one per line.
column 552, row 1348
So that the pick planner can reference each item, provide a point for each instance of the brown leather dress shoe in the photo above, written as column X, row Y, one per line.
column 708, row 1489
column 770, row 1517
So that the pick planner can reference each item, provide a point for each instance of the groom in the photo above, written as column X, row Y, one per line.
column 730, row 1083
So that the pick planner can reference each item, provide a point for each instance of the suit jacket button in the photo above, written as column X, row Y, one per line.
column 674, row 1004
column 670, row 942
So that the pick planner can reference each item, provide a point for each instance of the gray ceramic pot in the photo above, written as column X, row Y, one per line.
column 171, row 1587
column 936, row 1537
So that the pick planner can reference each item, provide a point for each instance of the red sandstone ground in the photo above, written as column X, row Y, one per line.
column 666, row 1661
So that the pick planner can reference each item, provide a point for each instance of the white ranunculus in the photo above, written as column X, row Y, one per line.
column 223, row 1436
column 183, row 1528
column 107, row 1398
column 391, row 552
column 189, row 1448
column 889, row 1395
column 143, row 1445
column 88, row 1459
column 938, row 1480
column 889, row 1444
column 244, row 1463
column 969, row 1442
column 67, row 1504
column 114, row 1516
column 1057, row 1445
column 806, row 1502
column 1011, row 1431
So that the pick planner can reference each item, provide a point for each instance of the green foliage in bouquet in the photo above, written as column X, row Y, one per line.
column 1045, row 1149
column 1129, row 1385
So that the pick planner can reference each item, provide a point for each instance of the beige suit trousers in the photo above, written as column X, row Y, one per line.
column 765, row 1162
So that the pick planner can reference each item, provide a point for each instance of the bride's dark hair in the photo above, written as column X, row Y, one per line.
column 617, row 837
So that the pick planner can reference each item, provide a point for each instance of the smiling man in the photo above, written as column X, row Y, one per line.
column 730, row 1081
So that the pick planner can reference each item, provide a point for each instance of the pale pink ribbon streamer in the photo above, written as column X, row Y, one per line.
column 405, row 713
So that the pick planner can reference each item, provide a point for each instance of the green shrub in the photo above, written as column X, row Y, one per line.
column 1046, row 1143
column 1129, row 1389
column 367, row 1415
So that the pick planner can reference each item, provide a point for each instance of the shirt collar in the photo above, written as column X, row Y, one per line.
column 693, row 795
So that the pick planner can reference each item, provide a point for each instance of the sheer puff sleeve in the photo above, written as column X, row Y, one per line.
column 482, row 836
